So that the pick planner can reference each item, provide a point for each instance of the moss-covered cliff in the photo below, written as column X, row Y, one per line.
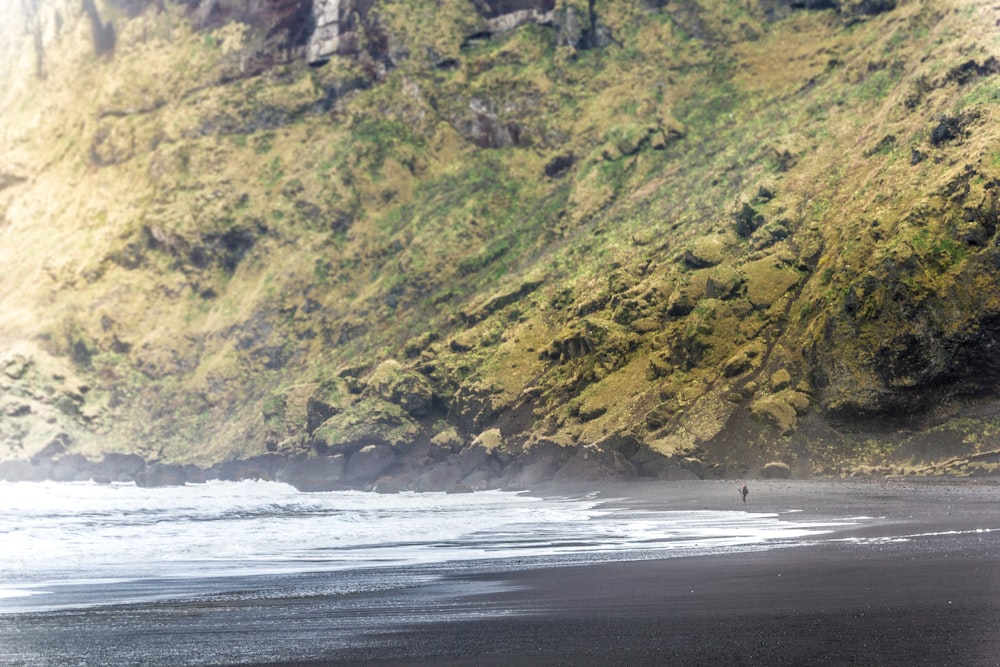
column 494, row 242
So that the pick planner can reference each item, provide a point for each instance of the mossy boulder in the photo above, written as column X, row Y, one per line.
column 776, row 411
column 706, row 251
column 329, row 398
column 776, row 470
column 780, row 379
column 744, row 360
column 447, row 438
column 490, row 440
column 722, row 282
column 782, row 409
column 767, row 280
column 393, row 383
column 644, row 325
column 367, row 422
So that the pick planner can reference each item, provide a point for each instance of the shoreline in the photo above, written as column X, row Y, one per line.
column 920, row 585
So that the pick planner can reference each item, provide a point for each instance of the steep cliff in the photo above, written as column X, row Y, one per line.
column 473, row 243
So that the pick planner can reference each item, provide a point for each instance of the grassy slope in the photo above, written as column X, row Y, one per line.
column 195, row 254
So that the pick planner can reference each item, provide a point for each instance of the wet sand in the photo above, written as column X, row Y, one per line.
column 919, row 586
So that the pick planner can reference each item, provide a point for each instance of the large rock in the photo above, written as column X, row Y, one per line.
column 320, row 473
column 115, row 467
column 369, row 463
column 594, row 464
column 440, row 477
column 257, row 467
column 538, row 464
column 162, row 474
column 395, row 384
column 369, row 421
column 336, row 28
column 776, row 470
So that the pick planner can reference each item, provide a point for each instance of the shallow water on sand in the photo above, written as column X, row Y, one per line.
column 76, row 545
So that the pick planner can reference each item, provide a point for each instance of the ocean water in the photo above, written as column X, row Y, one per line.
column 85, row 545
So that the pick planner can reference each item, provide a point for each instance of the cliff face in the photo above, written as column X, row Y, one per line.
column 495, row 242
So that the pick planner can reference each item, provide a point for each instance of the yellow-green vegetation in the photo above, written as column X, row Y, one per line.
column 729, row 233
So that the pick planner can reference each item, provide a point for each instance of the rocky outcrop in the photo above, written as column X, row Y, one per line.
column 503, row 15
column 336, row 24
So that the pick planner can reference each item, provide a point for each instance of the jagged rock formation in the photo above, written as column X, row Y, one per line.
column 336, row 28
column 388, row 245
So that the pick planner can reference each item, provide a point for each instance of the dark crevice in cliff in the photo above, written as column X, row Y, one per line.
column 103, row 34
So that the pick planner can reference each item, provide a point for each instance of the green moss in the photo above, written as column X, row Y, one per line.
column 369, row 421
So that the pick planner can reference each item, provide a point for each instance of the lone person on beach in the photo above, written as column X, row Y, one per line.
column 744, row 491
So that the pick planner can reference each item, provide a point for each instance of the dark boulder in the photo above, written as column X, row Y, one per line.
column 115, row 467
column 369, row 463
column 320, row 473
column 393, row 483
column 560, row 165
column 162, row 474
column 440, row 477
column 595, row 464
column 258, row 467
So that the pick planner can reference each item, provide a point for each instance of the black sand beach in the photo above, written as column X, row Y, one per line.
column 919, row 586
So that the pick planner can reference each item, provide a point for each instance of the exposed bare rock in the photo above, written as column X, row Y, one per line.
column 369, row 463
column 336, row 28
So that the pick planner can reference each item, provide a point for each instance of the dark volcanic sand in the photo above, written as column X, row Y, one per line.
column 932, row 598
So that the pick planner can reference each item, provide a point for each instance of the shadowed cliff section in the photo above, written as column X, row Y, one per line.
column 362, row 244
